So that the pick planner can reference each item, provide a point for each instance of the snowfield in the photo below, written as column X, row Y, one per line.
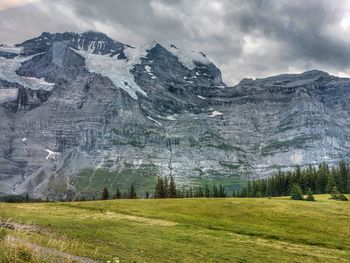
column 8, row 69
column 117, row 70
column 7, row 95
column 188, row 58
column 216, row 113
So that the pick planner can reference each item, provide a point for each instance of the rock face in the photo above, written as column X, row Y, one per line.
column 80, row 111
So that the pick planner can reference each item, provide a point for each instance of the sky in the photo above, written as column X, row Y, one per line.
column 244, row 38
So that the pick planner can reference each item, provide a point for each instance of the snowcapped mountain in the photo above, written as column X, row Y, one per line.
column 80, row 111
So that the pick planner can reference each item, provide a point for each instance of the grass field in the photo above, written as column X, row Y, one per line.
column 187, row 230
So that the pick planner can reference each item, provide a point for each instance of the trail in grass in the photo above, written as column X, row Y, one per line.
column 54, row 255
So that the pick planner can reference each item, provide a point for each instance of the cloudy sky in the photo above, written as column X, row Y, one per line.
column 244, row 38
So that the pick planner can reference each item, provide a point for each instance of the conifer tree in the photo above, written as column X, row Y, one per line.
column 159, row 188
column 105, row 194
column 117, row 194
column 132, row 192
column 147, row 194
column 190, row 193
column 166, row 187
column 296, row 192
column 172, row 188
column 215, row 191
column 206, row 190
column 200, row 192
column 330, row 184
column 26, row 198
column 310, row 196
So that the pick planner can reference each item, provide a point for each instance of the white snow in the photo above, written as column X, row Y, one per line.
column 149, row 71
column 7, row 95
column 168, row 117
column 10, row 49
column 199, row 96
column 216, row 113
column 154, row 121
column 171, row 117
column 24, row 139
column 8, row 69
column 51, row 154
column 117, row 70
column 187, row 58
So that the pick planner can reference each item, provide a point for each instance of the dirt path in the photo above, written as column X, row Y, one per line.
column 53, row 255
column 50, row 254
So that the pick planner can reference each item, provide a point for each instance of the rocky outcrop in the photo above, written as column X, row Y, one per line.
column 82, row 111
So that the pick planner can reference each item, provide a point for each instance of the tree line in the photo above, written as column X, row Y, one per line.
column 165, row 187
column 318, row 180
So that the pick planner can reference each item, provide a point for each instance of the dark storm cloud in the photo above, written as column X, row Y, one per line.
column 244, row 38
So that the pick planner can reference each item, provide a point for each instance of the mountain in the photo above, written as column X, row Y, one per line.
column 81, row 111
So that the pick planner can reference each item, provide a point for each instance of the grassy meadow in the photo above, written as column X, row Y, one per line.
column 183, row 230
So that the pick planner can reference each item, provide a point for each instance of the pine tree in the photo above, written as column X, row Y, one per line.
column 190, row 193
column 159, row 188
column 200, row 192
column 166, row 187
column 117, row 194
column 222, row 191
column 147, row 194
column 26, row 198
column 296, row 192
column 105, row 194
column 310, row 196
column 336, row 195
column 215, row 191
column 206, row 190
column 330, row 184
column 172, row 188
column 132, row 192
column 343, row 176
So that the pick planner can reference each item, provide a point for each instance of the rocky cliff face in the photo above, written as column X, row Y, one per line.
column 80, row 111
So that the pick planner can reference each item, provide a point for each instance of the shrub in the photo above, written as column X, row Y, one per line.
column 296, row 192
column 336, row 195
column 310, row 196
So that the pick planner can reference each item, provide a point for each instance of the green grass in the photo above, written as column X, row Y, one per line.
column 91, row 181
column 195, row 230
column 229, row 183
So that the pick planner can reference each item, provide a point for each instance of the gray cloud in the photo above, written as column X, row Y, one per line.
column 252, row 38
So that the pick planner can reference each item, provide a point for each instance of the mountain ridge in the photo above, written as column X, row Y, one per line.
column 108, row 112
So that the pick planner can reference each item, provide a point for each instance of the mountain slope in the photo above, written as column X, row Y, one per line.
column 80, row 111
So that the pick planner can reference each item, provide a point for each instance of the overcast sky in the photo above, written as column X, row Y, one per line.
column 243, row 38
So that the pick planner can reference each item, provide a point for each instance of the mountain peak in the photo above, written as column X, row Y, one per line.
column 95, row 34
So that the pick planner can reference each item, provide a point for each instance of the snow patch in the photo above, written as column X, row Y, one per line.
column 216, row 113
column 154, row 121
column 51, row 154
column 8, row 69
column 7, row 95
column 24, row 139
column 171, row 117
column 149, row 72
column 117, row 70
column 199, row 96
column 188, row 58
column 10, row 49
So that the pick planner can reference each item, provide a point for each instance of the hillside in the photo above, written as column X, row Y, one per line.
column 80, row 111
column 187, row 230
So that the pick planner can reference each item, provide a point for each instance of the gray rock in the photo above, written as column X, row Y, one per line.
column 88, row 131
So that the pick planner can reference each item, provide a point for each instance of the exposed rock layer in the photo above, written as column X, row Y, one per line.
column 168, row 114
